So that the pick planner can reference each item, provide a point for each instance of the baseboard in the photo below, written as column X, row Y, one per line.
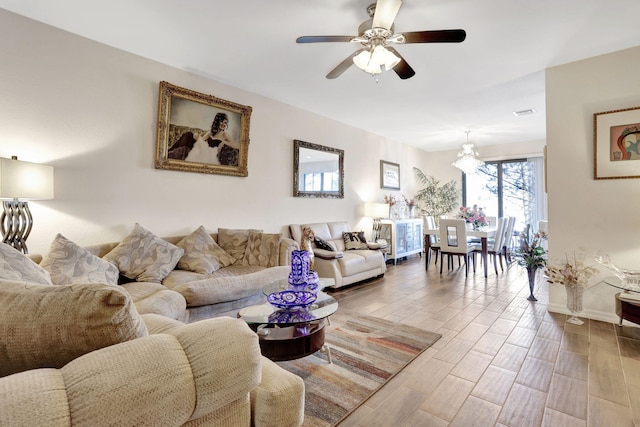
column 590, row 314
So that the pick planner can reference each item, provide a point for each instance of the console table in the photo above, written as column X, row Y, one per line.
column 403, row 236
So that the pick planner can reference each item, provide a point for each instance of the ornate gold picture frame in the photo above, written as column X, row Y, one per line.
column 201, row 133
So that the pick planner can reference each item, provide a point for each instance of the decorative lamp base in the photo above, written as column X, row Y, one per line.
column 15, row 224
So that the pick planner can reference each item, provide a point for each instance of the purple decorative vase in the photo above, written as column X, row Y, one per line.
column 299, row 268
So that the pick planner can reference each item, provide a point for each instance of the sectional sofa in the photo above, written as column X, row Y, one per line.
column 78, row 348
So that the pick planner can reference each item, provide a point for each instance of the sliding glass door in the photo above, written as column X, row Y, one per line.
column 508, row 188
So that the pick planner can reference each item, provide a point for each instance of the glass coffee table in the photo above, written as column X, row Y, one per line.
column 287, row 334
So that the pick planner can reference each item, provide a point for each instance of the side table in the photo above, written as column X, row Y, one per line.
column 627, row 309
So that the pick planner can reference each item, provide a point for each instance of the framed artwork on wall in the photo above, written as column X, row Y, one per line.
column 616, row 144
column 201, row 133
column 389, row 175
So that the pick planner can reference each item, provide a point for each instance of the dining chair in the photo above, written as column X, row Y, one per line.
column 494, row 246
column 434, row 241
column 453, row 241
column 507, row 244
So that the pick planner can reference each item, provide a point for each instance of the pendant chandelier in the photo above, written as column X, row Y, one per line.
column 467, row 161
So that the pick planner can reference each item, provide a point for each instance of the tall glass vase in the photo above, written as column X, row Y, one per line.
column 531, row 275
column 574, row 301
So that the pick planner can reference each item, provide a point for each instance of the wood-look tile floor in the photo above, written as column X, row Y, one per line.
column 502, row 360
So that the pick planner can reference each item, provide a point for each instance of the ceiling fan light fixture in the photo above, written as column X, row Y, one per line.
column 372, row 60
column 384, row 56
column 365, row 61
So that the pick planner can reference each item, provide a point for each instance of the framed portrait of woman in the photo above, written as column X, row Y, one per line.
column 201, row 133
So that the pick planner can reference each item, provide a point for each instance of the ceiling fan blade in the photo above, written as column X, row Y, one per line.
column 439, row 36
column 403, row 69
column 386, row 11
column 343, row 66
column 321, row 39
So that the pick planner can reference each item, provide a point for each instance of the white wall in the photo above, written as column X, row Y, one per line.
column 91, row 112
column 584, row 212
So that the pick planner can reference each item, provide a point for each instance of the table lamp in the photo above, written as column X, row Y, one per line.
column 25, row 181
column 377, row 211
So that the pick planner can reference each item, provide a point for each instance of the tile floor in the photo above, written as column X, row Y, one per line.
column 502, row 360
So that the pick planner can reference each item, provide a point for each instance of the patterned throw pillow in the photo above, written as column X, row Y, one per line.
column 234, row 242
column 323, row 244
column 68, row 263
column 262, row 249
column 144, row 257
column 14, row 265
column 202, row 254
column 49, row 326
column 354, row 240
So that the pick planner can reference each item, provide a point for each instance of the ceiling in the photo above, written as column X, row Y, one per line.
column 475, row 85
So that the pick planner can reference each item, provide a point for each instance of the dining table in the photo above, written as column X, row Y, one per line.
column 483, row 233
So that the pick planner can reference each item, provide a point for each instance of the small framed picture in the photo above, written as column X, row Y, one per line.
column 389, row 175
column 616, row 144
column 201, row 133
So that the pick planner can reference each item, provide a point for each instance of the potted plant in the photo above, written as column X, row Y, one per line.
column 435, row 199
column 532, row 256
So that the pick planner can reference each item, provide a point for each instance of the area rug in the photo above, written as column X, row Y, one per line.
column 367, row 352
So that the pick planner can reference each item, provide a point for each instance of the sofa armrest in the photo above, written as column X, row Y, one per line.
column 157, row 324
column 375, row 246
column 325, row 254
column 226, row 367
column 198, row 369
column 286, row 247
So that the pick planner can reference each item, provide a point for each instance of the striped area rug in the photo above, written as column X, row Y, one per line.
column 367, row 352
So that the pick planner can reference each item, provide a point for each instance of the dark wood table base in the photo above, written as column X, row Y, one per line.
column 627, row 310
column 291, row 342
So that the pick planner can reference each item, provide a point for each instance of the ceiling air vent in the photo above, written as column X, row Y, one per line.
column 524, row 112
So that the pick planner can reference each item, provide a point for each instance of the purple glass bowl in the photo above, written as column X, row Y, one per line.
column 291, row 316
column 291, row 299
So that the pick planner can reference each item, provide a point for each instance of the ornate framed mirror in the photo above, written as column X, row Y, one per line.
column 318, row 171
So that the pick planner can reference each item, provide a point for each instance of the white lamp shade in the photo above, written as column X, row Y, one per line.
column 25, row 180
column 376, row 210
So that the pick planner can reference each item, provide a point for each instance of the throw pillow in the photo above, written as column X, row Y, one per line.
column 234, row 242
column 354, row 240
column 14, row 265
column 202, row 254
column 323, row 244
column 68, row 263
column 48, row 326
column 262, row 249
column 144, row 257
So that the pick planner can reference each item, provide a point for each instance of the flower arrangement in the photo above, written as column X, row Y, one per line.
column 409, row 202
column 390, row 200
column 570, row 272
column 473, row 216
column 530, row 254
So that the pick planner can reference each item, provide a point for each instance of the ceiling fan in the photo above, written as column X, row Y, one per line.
column 377, row 35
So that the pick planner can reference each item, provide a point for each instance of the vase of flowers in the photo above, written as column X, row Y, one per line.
column 573, row 275
column 473, row 216
column 532, row 256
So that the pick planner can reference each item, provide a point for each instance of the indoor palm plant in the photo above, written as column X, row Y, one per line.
column 435, row 199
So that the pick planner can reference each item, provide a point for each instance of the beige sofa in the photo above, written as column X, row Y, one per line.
column 117, row 367
column 190, row 296
column 344, row 266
